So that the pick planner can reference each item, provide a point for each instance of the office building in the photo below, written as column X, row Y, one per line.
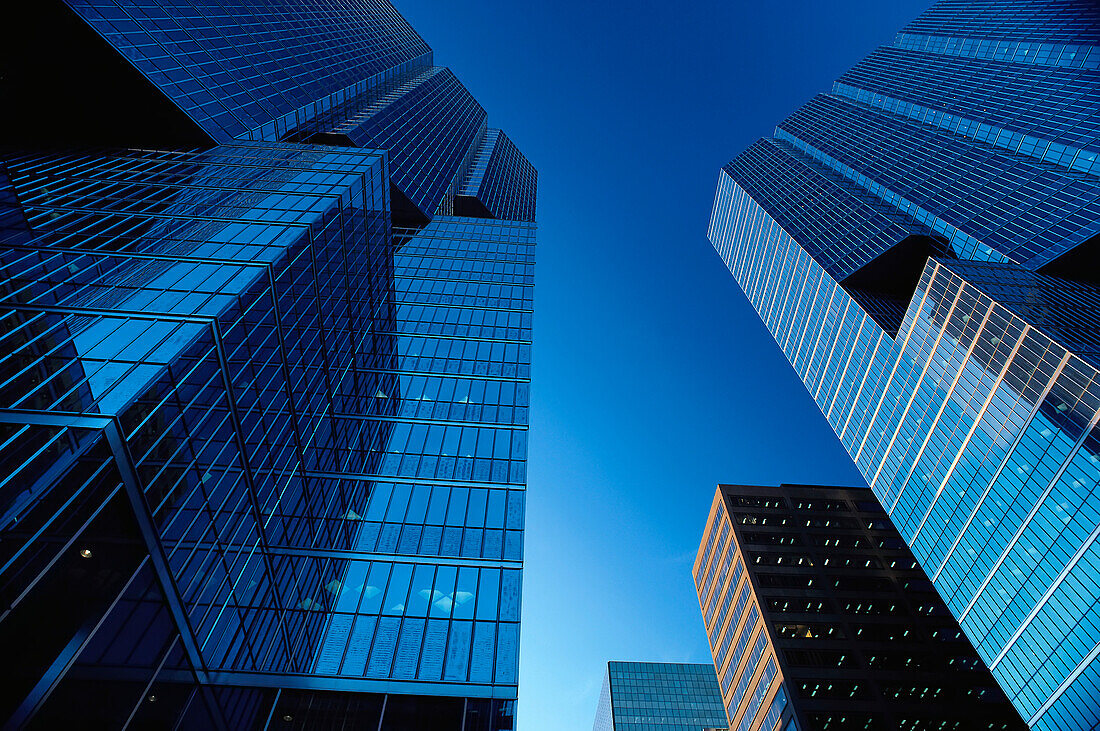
column 819, row 618
column 266, row 285
column 659, row 696
column 922, row 242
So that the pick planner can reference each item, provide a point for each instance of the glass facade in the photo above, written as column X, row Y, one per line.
column 264, row 424
column 658, row 696
column 428, row 125
column 922, row 244
column 246, row 70
column 499, row 181
column 820, row 618
column 508, row 186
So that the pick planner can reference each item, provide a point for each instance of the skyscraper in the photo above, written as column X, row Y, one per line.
column 659, row 696
column 820, row 619
column 922, row 242
column 266, row 294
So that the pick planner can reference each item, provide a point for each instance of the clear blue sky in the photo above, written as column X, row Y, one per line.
column 653, row 378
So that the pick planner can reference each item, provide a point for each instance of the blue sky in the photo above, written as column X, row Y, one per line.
column 653, row 378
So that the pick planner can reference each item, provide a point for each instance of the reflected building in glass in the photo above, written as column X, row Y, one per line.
column 659, row 696
column 265, row 374
column 922, row 242
column 820, row 619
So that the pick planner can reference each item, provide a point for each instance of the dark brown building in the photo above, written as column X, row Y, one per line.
column 819, row 619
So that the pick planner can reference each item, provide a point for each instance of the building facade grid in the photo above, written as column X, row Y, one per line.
column 265, row 402
column 954, row 354
column 851, row 633
column 648, row 696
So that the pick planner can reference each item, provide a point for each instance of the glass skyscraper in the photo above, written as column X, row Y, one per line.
column 265, row 373
column 659, row 696
column 922, row 242
column 820, row 619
